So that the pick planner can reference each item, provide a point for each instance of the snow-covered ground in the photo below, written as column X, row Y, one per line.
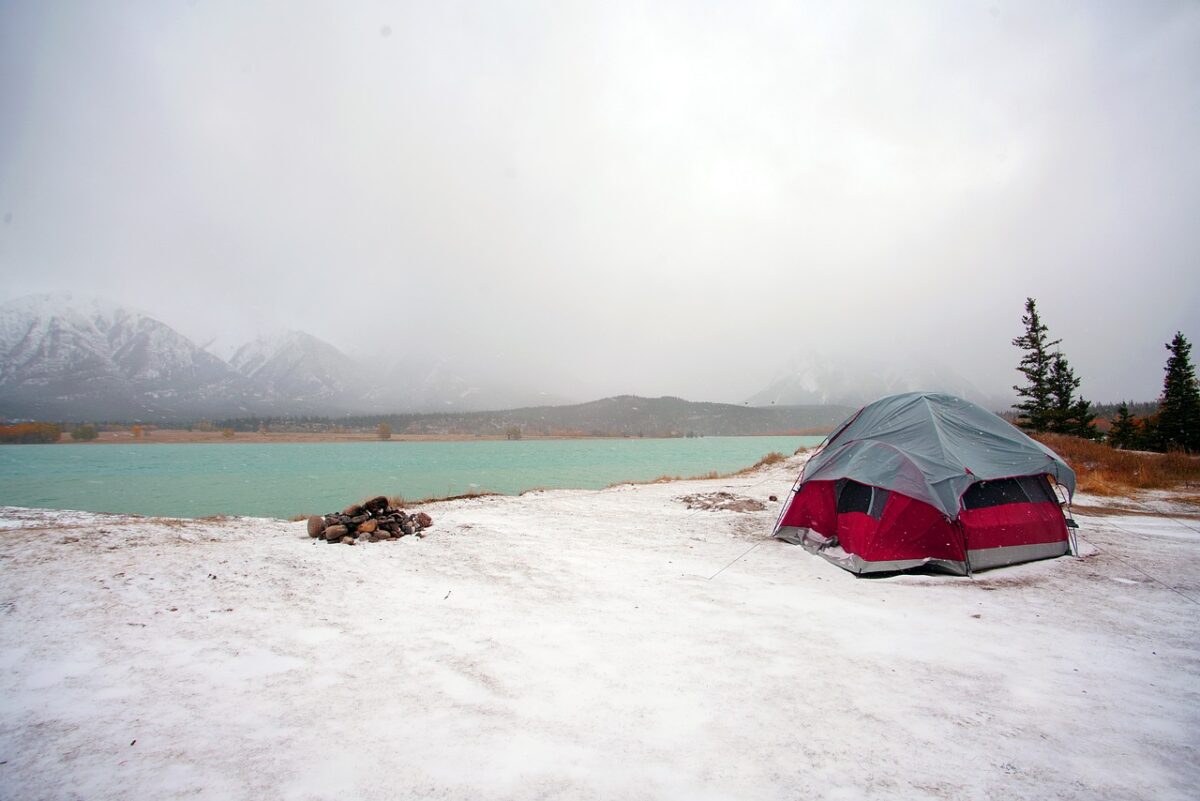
column 580, row 644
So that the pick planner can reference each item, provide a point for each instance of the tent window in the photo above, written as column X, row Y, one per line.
column 855, row 497
column 983, row 494
column 1037, row 488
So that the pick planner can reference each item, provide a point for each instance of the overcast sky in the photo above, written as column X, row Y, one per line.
column 659, row 198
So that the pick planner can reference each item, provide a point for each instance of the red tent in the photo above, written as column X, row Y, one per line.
column 925, row 479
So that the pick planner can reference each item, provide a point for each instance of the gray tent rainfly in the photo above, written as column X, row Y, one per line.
column 928, row 479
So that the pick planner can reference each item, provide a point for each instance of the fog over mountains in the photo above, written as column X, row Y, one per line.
column 813, row 378
column 64, row 356
column 72, row 357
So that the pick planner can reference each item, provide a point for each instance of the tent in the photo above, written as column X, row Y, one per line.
column 926, row 479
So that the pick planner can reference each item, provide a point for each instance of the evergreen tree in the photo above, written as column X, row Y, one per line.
column 1147, row 434
column 1124, row 431
column 1062, row 383
column 1034, row 413
column 1068, row 414
column 1179, row 406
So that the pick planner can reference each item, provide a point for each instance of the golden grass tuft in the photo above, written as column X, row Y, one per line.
column 1101, row 470
column 766, row 461
column 466, row 496
column 774, row 457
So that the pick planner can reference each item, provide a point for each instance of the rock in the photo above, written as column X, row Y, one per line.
column 354, row 510
column 316, row 525
column 423, row 520
column 335, row 533
column 408, row 527
column 349, row 541
column 371, row 538
column 376, row 504
column 772, row 498
column 368, row 526
column 358, row 520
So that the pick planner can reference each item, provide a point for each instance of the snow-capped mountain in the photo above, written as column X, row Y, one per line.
column 69, row 357
column 295, row 366
column 65, row 356
column 814, row 379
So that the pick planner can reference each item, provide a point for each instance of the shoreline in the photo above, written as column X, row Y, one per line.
column 183, row 437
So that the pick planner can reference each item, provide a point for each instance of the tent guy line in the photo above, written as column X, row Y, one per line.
column 739, row 558
column 1132, row 566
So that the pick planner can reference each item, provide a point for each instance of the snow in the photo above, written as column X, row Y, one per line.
column 51, row 335
column 586, row 644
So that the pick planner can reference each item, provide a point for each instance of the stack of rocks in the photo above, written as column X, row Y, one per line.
column 375, row 520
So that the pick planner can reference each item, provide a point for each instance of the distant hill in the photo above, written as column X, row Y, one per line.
column 624, row 415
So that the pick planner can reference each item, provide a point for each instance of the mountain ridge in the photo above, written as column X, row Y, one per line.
column 74, row 357
column 71, row 357
column 60, row 356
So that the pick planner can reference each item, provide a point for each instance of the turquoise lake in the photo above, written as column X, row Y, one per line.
column 285, row 479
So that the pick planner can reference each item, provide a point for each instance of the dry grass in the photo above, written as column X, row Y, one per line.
column 667, row 479
column 766, row 461
column 1101, row 470
column 400, row 502
column 169, row 522
column 774, row 457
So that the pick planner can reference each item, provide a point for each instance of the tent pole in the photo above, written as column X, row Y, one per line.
column 786, row 503
column 966, row 547
column 1072, row 526
column 796, row 486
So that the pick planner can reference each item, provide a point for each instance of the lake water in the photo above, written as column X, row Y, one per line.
column 284, row 479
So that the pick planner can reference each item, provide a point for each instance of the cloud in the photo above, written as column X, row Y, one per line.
column 672, row 198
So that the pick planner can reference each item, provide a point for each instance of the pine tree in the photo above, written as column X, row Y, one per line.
column 1068, row 414
column 1063, row 383
column 1034, row 413
column 1124, row 431
column 1083, row 422
column 1147, row 434
column 1179, row 406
